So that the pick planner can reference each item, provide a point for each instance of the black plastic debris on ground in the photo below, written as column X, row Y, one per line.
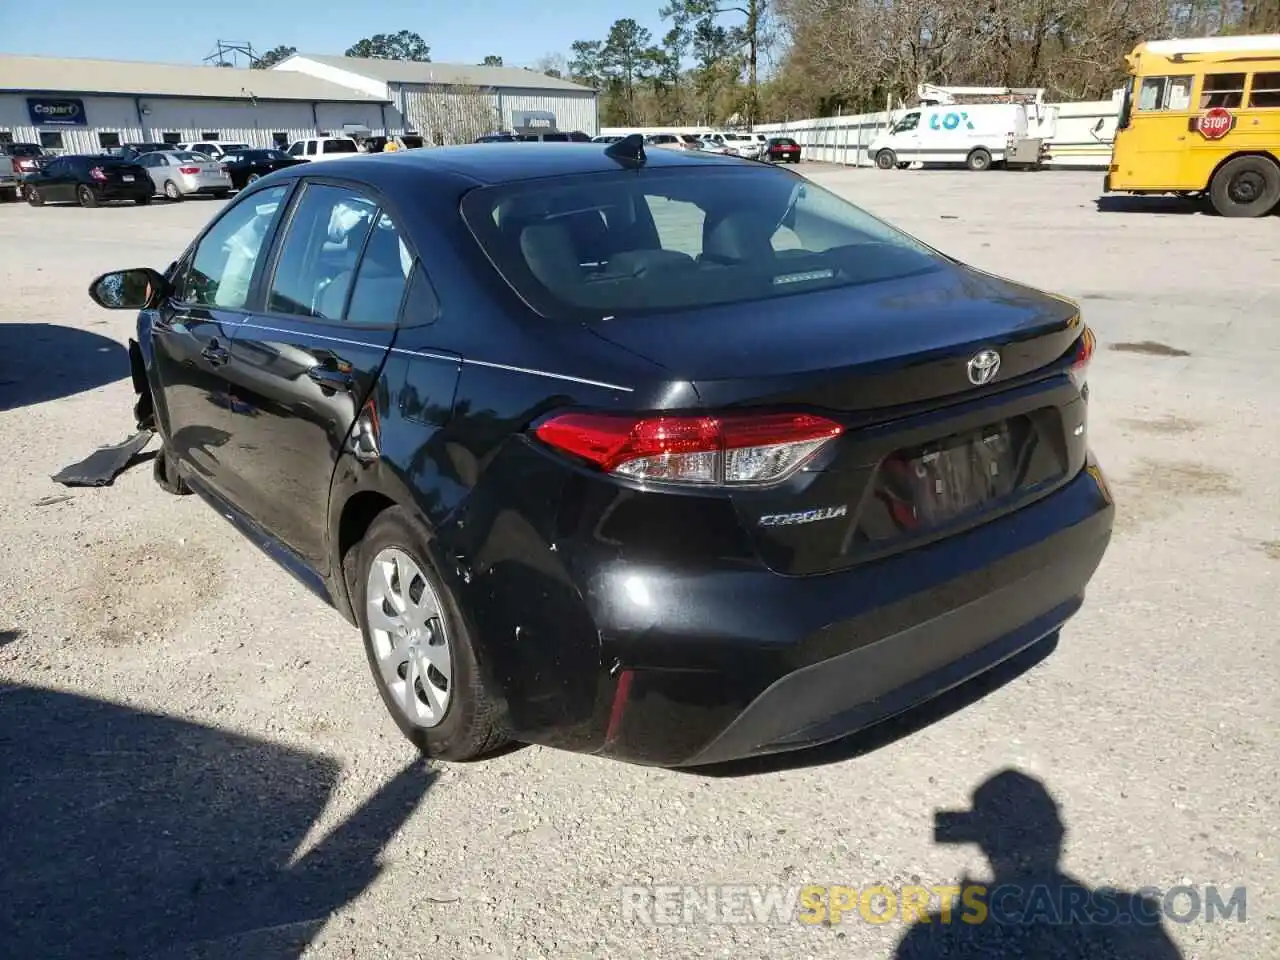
column 102, row 466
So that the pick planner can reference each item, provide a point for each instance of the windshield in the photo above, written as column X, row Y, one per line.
column 669, row 239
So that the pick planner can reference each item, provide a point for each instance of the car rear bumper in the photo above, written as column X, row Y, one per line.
column 191, row 186
column 672, row 665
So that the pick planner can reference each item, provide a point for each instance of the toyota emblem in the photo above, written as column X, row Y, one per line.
column 983, row 367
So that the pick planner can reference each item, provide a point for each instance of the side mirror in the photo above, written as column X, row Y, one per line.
column 134, row 289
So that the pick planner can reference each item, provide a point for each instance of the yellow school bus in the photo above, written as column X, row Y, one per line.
column 1202, row 118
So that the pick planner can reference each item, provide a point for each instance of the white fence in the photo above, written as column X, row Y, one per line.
column 1076, row 141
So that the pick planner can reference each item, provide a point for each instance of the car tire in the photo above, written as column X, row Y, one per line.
column 142, row 201
column 33, row 197
column 886, row 160
column 252, row 179
column 164, row 469
column 1245, row 187
column 465, row 726
column 171, row 191
column 978, row 160
column 85, row 196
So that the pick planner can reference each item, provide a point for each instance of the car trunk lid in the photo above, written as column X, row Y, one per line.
column 925, row 450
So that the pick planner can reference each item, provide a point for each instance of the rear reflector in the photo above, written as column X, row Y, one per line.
column 728, row 450
column 1084, row 348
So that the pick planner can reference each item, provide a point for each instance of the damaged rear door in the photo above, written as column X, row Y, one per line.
column 302, row 369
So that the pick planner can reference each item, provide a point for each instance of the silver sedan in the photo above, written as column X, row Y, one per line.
column 178, row 174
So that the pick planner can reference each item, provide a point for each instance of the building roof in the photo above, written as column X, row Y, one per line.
column 453, row 74
column 133, row 78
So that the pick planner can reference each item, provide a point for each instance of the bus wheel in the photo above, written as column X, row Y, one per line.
column 886, row 159
column 1245, row 187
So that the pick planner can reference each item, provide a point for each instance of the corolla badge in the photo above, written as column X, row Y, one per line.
column 983, row 367
column 803, row 516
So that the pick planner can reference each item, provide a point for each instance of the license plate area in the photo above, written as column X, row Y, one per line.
column 923, row 488
column 127, row 178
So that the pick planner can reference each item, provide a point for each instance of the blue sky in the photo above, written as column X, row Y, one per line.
column 464, row 31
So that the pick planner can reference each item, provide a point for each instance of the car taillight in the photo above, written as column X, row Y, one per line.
column 188, row 170
column 1079, row 369
column 97, row 174
column 724, row 450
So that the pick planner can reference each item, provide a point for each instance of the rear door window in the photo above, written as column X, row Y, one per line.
column 318, row 256
column 381, row 278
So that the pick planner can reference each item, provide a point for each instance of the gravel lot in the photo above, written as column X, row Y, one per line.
column 194, row 762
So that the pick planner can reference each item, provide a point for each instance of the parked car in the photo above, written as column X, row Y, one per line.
column 610, row 138
column 671, row 495
column 88, row 181
column 210, row 148
column 323, row 148
column 781, row 150
column 674, row 141
column 736, row 144
column 250, row 166
column 180, row 174
column 131, row 151
column 26, row 157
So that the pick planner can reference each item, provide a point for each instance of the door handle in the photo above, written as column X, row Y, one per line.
column 215, row 353
column 330, row 377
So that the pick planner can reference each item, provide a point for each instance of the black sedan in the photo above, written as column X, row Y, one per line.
column 250, row 166
column 88, row 181
column 782, row 150
column 594, row 461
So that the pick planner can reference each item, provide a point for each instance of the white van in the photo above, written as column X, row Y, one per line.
column 323, row 148
column 976, row 134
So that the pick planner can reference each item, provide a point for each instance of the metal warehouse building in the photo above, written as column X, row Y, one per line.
column 449, row 102
column 83, row 106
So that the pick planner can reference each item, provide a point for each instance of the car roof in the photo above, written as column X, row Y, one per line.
column 494, row 163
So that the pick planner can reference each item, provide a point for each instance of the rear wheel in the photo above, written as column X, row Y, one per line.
column 979, row 159
column 253, row 178
column 86, row 196
column 171, row 191
column 886, row 159
column 1245, row 187
column 417, row 643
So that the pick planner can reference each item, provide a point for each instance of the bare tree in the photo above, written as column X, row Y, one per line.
column 458, row 113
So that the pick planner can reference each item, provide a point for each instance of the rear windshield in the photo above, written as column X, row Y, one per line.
column 189, row 157
column 784, row 141
column 623, row 243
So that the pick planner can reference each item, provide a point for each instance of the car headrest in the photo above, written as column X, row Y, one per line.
column 739, row 236
column 548, row 249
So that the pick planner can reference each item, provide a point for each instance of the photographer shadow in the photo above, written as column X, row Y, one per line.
column 1030, row 908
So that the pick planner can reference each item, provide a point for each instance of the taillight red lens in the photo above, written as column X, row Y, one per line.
column 728, row 449
column 188, row 170
column 1084, row 348
column 97, row 174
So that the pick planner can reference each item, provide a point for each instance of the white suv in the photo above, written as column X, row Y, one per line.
column 323, row 148
column 214, row 151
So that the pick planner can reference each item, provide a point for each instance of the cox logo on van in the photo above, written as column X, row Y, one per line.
column 55, row 113
column 950, row 121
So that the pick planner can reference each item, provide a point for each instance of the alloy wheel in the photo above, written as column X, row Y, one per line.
column 410, row 639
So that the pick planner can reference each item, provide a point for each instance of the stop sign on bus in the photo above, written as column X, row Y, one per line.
column 1215, row 123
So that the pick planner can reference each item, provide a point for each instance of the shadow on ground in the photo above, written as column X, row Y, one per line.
column 895, row 728
column 1165, row 203
column 134, row 835
column 1030, row 908
column 42, row 361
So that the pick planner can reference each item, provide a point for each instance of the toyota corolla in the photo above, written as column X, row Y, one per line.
column 662, row 456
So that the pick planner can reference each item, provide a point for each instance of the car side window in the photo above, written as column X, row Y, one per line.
column 381, row 278
column 295, row 149
column 57, row 168
column 311, row 148
column 316, row 265
column 909, row 122
column 220, row 272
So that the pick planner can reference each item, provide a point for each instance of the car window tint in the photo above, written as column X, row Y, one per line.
column 221, row 270
column 617, row 244
column 318, row 255
column 380, row 281
column 340, row 146
column 311, row 148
